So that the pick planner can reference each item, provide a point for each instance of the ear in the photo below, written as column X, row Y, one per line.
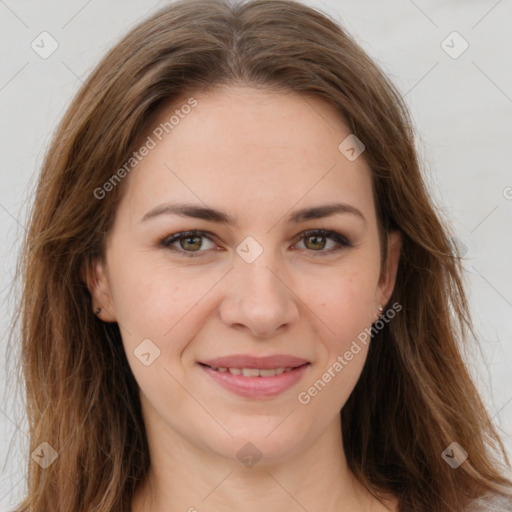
column 388, row 273
column 95, row 277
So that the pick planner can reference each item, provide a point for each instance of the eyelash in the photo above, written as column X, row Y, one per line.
column 333, row 235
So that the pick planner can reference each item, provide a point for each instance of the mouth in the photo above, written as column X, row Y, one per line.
column 254, row 372
column 254, row 382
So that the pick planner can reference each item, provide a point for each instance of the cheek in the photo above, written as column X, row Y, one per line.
column 345, row 303
column 345, row 308
column 150, row 297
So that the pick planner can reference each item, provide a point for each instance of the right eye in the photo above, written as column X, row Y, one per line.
column 189, row 241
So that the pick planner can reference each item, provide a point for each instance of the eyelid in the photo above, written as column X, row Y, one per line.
column 342, row 241
column 327, row 233
column 168, row 240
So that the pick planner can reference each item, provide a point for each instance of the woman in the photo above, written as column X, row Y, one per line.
column 232, row 259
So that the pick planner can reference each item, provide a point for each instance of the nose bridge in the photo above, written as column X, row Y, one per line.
column 263, row 280
column 257, row 297
column 260, row 285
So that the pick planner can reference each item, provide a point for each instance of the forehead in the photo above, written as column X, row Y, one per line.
column 248, row 148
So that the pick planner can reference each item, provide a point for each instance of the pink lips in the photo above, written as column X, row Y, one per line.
column 256, row 386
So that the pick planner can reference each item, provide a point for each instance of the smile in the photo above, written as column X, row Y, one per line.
column 254, row 372
column 256, row 383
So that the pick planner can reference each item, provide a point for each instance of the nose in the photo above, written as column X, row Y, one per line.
column 258, row 299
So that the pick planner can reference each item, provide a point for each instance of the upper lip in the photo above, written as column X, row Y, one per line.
column 247, row 361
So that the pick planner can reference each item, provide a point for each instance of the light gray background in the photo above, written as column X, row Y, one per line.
column 461, row 108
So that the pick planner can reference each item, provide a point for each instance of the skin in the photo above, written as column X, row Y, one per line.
column 258, row 155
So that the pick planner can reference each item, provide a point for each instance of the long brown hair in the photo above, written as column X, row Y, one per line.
column 414, row 397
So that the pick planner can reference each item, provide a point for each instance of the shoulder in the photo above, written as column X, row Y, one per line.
column 491, row 503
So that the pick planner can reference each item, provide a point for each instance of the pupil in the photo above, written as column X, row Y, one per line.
column 315, row 239
column 193, row 238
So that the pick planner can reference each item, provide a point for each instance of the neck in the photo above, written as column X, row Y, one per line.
column 186, row 477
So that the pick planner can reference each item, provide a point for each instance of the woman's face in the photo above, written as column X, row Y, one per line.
column 245, row 167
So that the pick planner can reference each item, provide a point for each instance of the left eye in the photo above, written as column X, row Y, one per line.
column 191, row 241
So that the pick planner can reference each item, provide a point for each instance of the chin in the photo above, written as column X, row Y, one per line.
column 254, row 446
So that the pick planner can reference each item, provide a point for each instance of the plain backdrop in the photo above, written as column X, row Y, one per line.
column 458, row 87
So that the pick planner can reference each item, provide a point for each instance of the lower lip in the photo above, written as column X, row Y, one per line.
column 257, row 387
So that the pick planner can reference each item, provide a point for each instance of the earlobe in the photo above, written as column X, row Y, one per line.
column 389, row 272
column 94, row 276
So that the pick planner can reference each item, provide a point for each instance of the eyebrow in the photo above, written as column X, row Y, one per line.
column 213, row 215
